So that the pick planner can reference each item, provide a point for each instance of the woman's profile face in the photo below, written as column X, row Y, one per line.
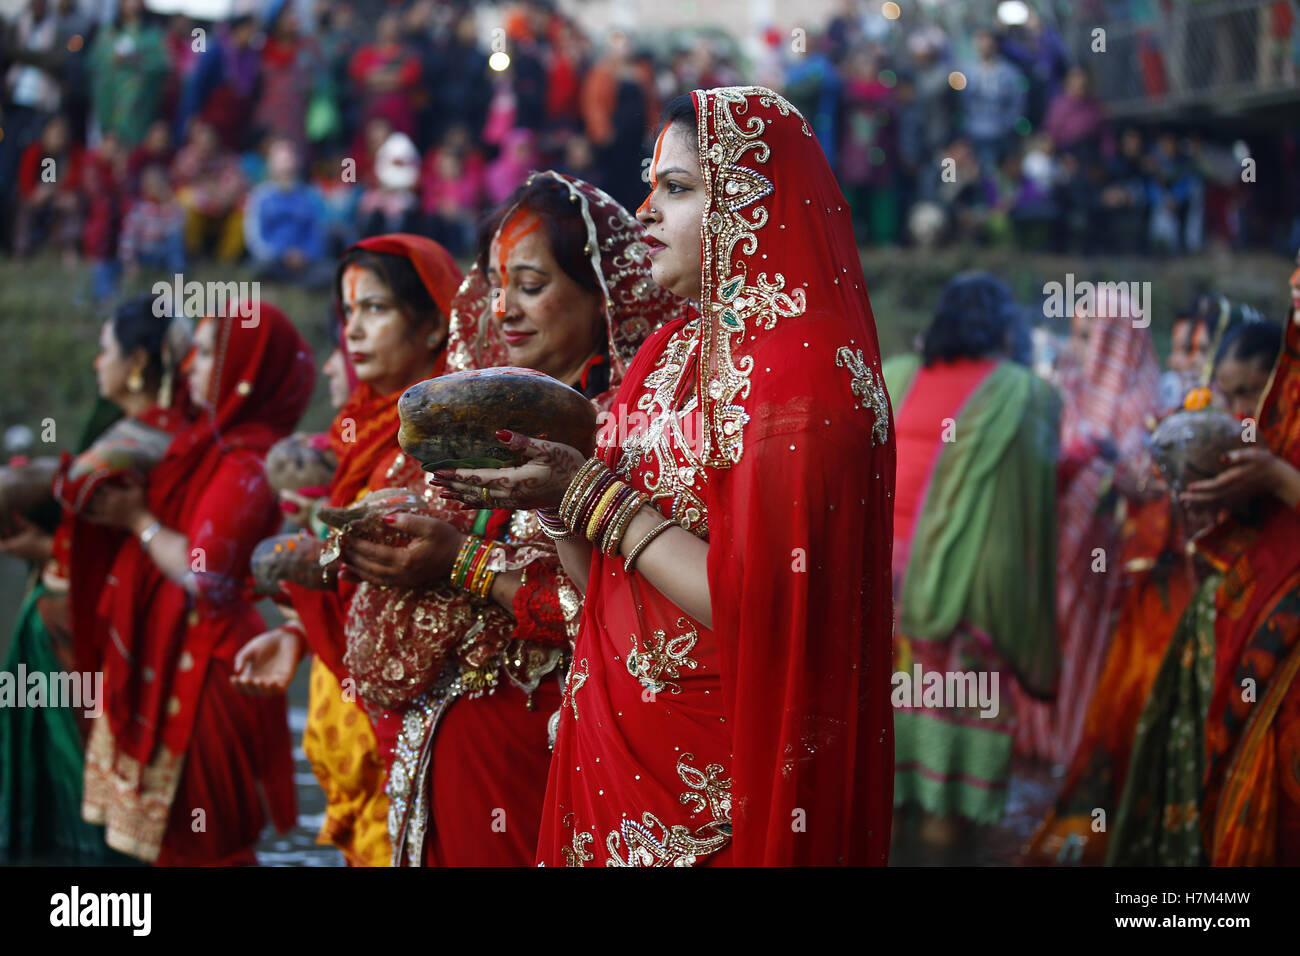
column 112, row 368
column 1238, row 385
column 673, row 213
column 382, row 347
column 200, row 369
column 336, row 374
column 548, row 321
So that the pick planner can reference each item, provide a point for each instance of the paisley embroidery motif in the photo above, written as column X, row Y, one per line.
column 650, row 842
column 578, row 855
column 573, row 683
column 868, row 388
column 662, row 657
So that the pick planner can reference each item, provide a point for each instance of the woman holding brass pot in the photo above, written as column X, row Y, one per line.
column 454, row 631
column 730, row 693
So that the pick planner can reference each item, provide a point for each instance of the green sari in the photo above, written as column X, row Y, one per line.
column 41, row 763
column 1158, row 819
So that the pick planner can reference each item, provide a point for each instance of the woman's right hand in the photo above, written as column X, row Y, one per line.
column 27, row 542
column 540, row 482
column 265, row 665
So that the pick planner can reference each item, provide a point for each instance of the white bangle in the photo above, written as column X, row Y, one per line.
column 148, row 533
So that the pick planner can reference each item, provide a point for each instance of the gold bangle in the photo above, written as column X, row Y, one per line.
column 618, row 527
column 641, row 545
column 574, row 505
column 598, row 512
column 577, row 491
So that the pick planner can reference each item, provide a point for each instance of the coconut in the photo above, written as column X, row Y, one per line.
column 1189, row 446
column 451, row 421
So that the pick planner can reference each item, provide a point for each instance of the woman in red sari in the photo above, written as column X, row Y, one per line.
column 466, row 753
column 729, row 700
column 394, row 292
column 42, row 749
column 183, row 769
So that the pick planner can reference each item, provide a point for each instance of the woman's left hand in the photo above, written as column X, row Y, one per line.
column 118, row 505
column 1251, row 471
column 425, row 560
column 540, row 482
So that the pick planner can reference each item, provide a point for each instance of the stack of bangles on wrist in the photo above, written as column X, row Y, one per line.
column 470, row 571
column 601, row 508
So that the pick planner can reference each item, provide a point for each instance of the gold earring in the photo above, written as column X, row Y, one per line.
column 135, row 381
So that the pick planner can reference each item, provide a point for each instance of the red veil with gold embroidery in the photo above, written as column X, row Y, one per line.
column 768, row 740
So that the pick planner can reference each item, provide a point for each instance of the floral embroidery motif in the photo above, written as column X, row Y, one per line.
column 662, row 657
column 868, row 388
column 573, row 683
column 663, row 451
column 650, row 842
column 570, row 605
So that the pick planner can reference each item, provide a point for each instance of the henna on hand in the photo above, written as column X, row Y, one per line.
column 540, row 482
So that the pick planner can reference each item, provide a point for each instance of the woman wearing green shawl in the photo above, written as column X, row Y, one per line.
column 974, row 556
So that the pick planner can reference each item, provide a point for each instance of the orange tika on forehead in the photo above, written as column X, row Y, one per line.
column 654, row 165
column 351, row 279
column 520, row 223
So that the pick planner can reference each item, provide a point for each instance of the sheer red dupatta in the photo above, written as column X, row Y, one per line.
column 262, row 380
column 364, row 436
column 801, row 509
column 795, row 434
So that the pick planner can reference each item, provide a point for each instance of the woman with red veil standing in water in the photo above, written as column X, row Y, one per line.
column 182, row 768
column 729, row 698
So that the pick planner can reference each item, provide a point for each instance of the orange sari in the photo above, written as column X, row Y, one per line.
column 1251, row 810
column 1159, row 583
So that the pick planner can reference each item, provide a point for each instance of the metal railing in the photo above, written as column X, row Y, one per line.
column 1188, row 53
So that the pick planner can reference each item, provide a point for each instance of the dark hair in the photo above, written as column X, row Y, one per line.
column 413, row 298
column 136, row 326
column 681, row 109
column 974, row 314
column 566, row 232
column 1257, row 341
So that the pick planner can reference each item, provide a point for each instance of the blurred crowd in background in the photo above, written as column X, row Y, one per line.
column 282, row 141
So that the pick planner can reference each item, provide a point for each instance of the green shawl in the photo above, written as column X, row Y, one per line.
column 984, row 545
